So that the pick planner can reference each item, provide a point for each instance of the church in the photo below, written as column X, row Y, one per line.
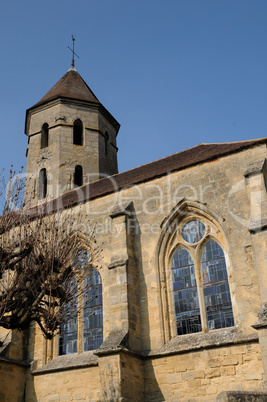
column 181, row 307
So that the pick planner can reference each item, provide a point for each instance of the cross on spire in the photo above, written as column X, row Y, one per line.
column 73, row 53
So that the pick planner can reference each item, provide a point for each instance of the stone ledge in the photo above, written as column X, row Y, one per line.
column 262, row 321
column 16, row 362
column 255, row 167
column 122, row 209
column 258, row 226
column 212, row 339
column 115, row 342
column 118, row 263
column 68, row 362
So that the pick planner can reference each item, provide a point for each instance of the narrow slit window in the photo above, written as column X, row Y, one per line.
column 44, row 136
column 78, row 132
column 78, row 176
column 42, row 184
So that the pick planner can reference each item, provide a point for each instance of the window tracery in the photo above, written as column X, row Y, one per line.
column 200, row 288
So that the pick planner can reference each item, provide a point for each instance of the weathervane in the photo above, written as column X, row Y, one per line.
column 73, row 53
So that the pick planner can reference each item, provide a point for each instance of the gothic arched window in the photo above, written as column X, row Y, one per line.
column 85, row 327
column 78, row 132
column 201, row 293
column 42, row 187
column 78, row 176
column 44, row 136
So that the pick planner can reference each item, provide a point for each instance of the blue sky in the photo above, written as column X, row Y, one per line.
column 174, row 73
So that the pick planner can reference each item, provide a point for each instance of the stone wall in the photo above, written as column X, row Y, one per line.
column 12, row 381
column 204, row 374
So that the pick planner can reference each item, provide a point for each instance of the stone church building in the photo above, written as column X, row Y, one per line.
column 182, row 285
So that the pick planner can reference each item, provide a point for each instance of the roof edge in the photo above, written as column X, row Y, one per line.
column 94, row 105
column 139, row 175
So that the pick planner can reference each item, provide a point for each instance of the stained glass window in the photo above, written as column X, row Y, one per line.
column 193, row 231
column 216, row 287
column 92, row 312
column 68, row 339
column 185, row 293
column 91, row 307
column 201, row 292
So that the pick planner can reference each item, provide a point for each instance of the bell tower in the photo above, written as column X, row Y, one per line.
column 71, row 140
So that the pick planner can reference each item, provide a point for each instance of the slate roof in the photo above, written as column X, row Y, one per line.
column 201, row 153
column 70, row 86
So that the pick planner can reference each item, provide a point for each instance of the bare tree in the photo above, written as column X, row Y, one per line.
column 42, row 265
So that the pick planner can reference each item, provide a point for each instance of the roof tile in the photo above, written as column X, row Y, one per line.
column 71, row 86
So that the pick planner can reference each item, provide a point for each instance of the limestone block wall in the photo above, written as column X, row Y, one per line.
column 12, row 381
column 80, row 384
column 204, row 374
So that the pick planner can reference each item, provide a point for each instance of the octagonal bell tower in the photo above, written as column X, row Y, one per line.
column 71, row 140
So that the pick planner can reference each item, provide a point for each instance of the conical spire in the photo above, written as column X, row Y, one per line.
column 70, row 86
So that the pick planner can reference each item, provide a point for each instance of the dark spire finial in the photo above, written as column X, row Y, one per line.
column 73, row 53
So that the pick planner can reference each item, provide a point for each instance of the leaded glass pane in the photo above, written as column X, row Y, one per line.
column 185, row 293
column 93, row 311
column 69, row 329
column 193, row 231
column 216, row 288
column 82, row 259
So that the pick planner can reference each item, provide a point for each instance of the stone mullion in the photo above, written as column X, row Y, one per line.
column 200, row 291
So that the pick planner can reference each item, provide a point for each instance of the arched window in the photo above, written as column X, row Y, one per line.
column 201, row 293
column 42, row 188
column 78, row 132
column 78, row 176
column 85, row 328
column 92, row 311
column 44, row 136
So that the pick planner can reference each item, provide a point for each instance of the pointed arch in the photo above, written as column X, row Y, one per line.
column 189, row 225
